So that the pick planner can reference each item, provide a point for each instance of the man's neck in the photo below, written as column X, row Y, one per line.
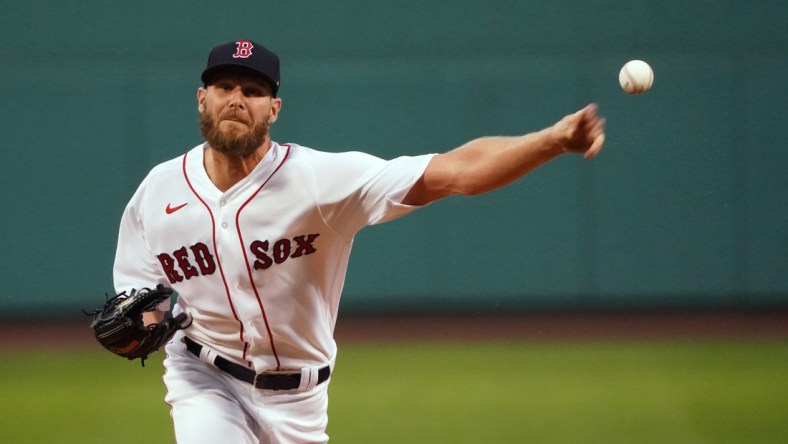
column 226, row 170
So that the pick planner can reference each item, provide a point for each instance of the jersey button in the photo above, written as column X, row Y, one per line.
column 222, row 203
column 224, row 224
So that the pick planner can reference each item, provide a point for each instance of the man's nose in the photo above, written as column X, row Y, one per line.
column 237, row 98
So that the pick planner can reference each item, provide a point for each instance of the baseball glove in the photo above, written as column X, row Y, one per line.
column 118, row 324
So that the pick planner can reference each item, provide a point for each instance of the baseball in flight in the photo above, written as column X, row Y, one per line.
column 636, row 77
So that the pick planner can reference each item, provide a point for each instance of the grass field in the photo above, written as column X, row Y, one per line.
column 484, row 392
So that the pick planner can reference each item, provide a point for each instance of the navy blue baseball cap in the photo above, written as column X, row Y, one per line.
column 245, row 56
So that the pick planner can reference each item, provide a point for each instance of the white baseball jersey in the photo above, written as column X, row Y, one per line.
column 260, row 267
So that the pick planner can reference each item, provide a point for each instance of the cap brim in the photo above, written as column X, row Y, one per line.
column 209, row 73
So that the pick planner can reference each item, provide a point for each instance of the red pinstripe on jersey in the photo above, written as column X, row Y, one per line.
column 249, row 265
column 218, row 261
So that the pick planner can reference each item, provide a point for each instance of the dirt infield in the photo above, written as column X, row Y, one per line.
column 56, row 334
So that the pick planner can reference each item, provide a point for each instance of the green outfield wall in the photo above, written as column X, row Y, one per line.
column 686, row 207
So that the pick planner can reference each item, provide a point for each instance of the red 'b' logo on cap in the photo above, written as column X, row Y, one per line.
column 243, row 50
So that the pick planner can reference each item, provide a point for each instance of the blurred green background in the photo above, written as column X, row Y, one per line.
column 509, row 392
column 683, row 209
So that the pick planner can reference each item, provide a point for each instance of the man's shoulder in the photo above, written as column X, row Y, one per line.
column 162, row 176
column 320, row 157
column 176, row 163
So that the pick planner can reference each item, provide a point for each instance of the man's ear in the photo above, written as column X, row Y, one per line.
column 201, row 99
column 276, row 106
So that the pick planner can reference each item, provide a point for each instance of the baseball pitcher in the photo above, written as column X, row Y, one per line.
column 254, row 236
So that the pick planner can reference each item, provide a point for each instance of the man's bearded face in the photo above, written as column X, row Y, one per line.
column 233, row 137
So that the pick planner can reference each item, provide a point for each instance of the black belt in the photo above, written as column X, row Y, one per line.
column 265, row 381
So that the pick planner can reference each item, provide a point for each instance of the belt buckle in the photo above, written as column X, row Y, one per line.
column 254, row 381
column 259, row 378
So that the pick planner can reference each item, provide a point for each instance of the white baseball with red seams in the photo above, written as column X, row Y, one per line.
column 636, row 77
column 233, row 257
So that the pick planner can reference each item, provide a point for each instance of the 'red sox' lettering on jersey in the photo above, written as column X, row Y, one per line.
column 280, row 251
column 197, row 260
column 204, row 263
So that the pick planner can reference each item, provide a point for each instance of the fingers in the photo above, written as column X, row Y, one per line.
column 590, row 111
column 582, row 132
column 593, row 126
column 596, row 146
column 589, row 116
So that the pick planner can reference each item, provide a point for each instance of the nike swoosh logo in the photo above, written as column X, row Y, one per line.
column 171, row 209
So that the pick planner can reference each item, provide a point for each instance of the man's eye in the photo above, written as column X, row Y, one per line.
column 253, row 92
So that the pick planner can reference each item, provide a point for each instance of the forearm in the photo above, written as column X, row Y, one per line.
column 487, row 163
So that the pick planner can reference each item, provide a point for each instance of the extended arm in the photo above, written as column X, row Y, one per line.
column 487, row 163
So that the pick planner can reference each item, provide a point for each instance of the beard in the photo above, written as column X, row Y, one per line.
column 233, row 141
